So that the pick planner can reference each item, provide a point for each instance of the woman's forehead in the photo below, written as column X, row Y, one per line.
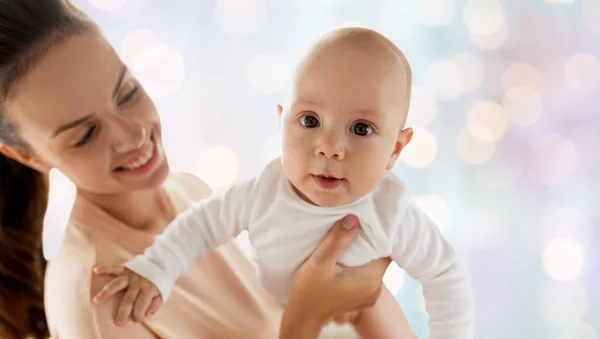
column 72, row 80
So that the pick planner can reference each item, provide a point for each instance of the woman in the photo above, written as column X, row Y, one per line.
column 68, row 102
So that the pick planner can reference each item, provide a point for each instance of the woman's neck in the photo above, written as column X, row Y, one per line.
column 150, row 210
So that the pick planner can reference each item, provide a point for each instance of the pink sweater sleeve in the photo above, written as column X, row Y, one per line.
column 70, row 311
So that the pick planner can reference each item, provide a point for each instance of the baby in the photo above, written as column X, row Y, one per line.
column 343, row 128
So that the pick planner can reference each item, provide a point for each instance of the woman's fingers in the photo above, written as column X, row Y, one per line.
column 114, row 270
column 336, row 241
column 124, row 312
column 113, row 287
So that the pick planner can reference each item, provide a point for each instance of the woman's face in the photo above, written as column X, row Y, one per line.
column 81, row 111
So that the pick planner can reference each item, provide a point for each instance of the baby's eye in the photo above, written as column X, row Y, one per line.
column 361, row 128
column 309, row 121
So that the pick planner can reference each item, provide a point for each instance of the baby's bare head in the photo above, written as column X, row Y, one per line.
column 350, row 56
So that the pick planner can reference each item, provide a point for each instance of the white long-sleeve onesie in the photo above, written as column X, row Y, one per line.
column 284, row 230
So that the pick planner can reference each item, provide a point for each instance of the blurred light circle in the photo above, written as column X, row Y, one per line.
column 582, row 72
column 522, row 74
column 591, row 15
column 563, row 304
column 436, row 208
column 160, row 69
column 241, row 18
column 445, row 79
column 523, row 105
column 271, row 149
column 490, row 41
column 487, row 121
column 436, row 12
column 422, row 149
column 108, row 4
column 487, row 228
column 218, row 166
column 136, row 42
column 483, row 17
column 552, row 159
column 393, row 278
column 582, row 330
column 423, row 107
column 472, row 69
column 563, row 259
column 472, row 149
column 266, row 73
column 568, row 222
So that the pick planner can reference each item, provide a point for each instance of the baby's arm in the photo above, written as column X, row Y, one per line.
column 204, row 226
column 421, row 250
column 384, row 320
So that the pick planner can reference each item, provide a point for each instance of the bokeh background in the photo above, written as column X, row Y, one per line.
column 505, row 105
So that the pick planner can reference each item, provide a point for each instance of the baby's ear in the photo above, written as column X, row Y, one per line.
column 404, row 137
column 279, row 110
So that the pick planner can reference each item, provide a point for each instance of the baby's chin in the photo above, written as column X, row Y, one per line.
column 330, row 200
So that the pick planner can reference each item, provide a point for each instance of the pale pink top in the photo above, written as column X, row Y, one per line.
column 220, row 296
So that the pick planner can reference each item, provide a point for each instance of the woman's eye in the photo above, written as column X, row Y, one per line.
column 130, row 95
column 91, row 132
column 309, row 121
column 362, row 129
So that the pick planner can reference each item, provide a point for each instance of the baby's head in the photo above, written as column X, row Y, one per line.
column 343, row 121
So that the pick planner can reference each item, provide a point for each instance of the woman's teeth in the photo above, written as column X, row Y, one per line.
column 143, row 160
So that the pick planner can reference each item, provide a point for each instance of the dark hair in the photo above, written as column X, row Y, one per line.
column 28, row 29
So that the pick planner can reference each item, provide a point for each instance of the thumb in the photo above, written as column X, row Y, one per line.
column 339, row 237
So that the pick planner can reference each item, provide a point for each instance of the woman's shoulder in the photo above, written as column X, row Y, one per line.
column 193, row 186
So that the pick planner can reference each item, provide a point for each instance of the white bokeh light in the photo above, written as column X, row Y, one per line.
column 436, row 208
column 271, row 149
column 472, row 148
column 218, row 166
column 160, row 69
column 423, row 107
column 591, row 15
column 445, row 79
column 586, row 139
column 422, row 149
column 394, row 278
column 563, row 259
column 523, row 105
column 552, row 159
column 490, row 41
column 521, row 74
column 581, row 330
column 472, row 69
column 501, row 171
column 483, row 17
column 266, row 73
column 487, row 121
column 108, row 4
column 570, row 222
column 241, row 18
column 582, row 72
column 136, row 42
column 563, row 304
column 436, row 12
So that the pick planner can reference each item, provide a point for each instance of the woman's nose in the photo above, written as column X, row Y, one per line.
column 130, row 136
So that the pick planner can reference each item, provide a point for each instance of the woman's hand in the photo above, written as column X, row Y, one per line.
column 322, row 289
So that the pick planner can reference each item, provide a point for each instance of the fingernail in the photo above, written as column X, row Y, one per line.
column 349, row 222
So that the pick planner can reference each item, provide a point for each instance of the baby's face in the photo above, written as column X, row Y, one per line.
column 341, row 125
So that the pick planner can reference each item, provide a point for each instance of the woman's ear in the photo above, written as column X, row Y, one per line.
column 23, row 157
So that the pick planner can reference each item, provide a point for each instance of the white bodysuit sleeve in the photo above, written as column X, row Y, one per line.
column 421, row 250
column 204, row 226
